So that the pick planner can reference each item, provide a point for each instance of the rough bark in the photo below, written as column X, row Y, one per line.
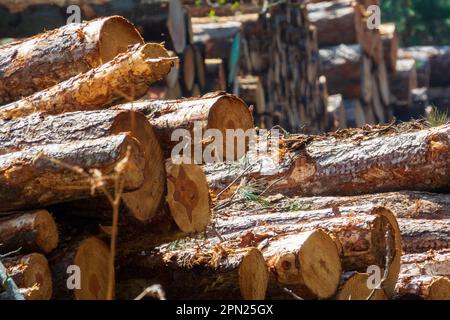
column 356, row 286
column 32, row 275
column 31, row 178
column 37, row 63
column 125, row 77
column 30, row 232
column 420, row 235
column 432, row 263
column 212, row 111
column 198, row 270
column 423, row 288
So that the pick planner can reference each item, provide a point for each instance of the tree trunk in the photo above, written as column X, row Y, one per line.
column 198, row 270
column 30, row 232
column 354, row 286
column 390, row 45
column 423, row 288
column 419, row 235
column 39, row 176
column 36, row 130
column 32, row 275
column 90, row 255
column 125, row 77
column 432, row 263
column 217, row 110
column 37, row 63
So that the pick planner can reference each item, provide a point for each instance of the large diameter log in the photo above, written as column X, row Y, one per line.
column 200, row 271
column 337, row 22
column 432, row 262
column 217, row 110
column 34, row 130
column 307, row 263
column 345, row 165
column 357, row 286
column 32, row 275
column 31, row 178
column 125, row 77
column 91, row 256
column 34, row 64
column 30, row 232
column 390, row 45
column 423, row 288
column 419, row 235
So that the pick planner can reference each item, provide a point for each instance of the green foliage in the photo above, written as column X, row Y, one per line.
column 437, row 118
column 419, row 22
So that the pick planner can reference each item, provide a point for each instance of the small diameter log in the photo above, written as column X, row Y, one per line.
column 358, row 286
column 90, row 256
column 37, row 63
column 35, row 130
column 432, row 263
column 32, row 275
column 403, row 81
column 423, row 288
column 216, row 77
column 31, row 178
column 307, row 263
column 390, row 45
column 30, row 232
column 419, row 235
column 125, row 77
column 216, row 110
column 198, row 270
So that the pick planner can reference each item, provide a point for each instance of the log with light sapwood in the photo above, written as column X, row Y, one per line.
column 358, row 286
column 37, row 63
column 420, row 235
column 199, row 270
column 307, row 263
column 33, row 231
column 433, row 262
column 217, row 110
column 32, row 275
column 40, row 175
column 36, row 130
column 125, row 77
column 348, row 71
column 337, row 22
column 390, row 45
column 361, row 161
column 216, row 78
column 364, row 235
column 91, row 256
column 423, row 288
column 336, row 113
column 403, row 81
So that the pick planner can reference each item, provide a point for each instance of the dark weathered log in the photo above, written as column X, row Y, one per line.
column 34, row 64
column 31, row 178
column 198, row 270
column 357, row 286
column 30, row 232
column 432, row 263
column 216, row 110
column 32, row 275
column 125, row 77
column 423, row 288
column 35, row 130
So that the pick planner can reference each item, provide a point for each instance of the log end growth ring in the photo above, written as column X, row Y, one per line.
column 46, row 231
column 253, row 276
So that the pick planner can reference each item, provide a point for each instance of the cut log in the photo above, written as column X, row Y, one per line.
column 432, row 263
column 361, row 233
column 390, row 45
column 355, row 286
column 37, row 63
column 252, row 92
column 31, row 178
column 200, row 271
column 337, row 118
column 217, row 110
column 215, row 75
column 423, row 65
column 337, row 22
column 173, row 76
column 30, row 232
column 423, row 288
column 35, row 130
column 32, row 275
column 419, row 235
column 127, row 76
column 200, row 73
column 382, row 80
column 187, row 74
column 91, row 256
column 403, row 81
column 307, row 263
